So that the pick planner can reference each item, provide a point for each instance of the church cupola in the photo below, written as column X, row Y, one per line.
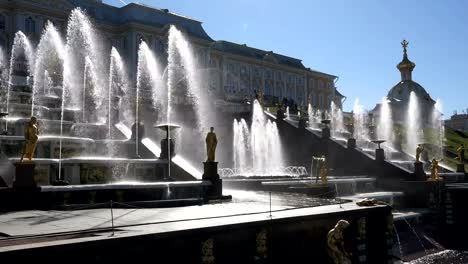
column 405, row 66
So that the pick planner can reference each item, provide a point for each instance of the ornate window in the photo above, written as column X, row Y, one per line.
column 2, row 22
column 30, row 25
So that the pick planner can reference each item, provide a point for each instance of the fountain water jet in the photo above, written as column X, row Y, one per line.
column 241, row 143
column 437, row 124
column 385, row 122
column 149, row 77
column 250, row 146
column 413, row 125
column 360, row 122
column 48, row 64
column 22, row 48
column 336, row 116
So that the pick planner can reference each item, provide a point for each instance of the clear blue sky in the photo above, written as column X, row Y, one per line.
column 359, row 41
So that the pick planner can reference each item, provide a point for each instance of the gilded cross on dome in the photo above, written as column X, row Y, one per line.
column 404, row 43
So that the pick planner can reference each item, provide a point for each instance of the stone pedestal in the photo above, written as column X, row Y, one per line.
column 302, row 123
column 165, row 150
column 326, row 132
column 461, row 168
column 379, row 155
column 419, row 174
column 280, row 114
column 351, row 143
column 423, row 194
column 24, row 177
column 210, row 173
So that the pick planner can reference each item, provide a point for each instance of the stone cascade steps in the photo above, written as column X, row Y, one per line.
column 336, row 186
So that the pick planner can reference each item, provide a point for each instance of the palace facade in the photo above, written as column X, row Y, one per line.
column 236, row 71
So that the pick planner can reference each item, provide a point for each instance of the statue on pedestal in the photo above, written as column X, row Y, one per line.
column 419, row 150
column 31, row 132
column 461, row 153
column 435, row 170
column 211, row 142
column 335, row 244
column 323, row 170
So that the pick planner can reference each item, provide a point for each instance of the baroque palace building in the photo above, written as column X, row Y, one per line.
column 236, row 71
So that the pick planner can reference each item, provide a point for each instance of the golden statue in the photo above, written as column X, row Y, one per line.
column 461, row 153
column 211, row 142
column 31, row 133
column 435, row 170
column 335, row 244
column 323, row 170
column 419, row 151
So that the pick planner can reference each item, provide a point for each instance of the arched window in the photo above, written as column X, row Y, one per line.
column 30, row 25
column 2, row 22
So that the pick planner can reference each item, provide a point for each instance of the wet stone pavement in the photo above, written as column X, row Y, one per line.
column 36, row 222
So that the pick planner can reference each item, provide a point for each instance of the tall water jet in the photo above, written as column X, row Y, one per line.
column 264, row 138
column 149, row 78
column 315, row 117
column 240, row 145
column 413, row 125
column 89, row 91
column 82, row 45
column 385, row 122
column 437, row 125
column 360, row 122
column 120, row 96
column 23, row 51
column 48, row 66
column 187, row 103
column 183, row 69
column 3, row 75
column 337, row 123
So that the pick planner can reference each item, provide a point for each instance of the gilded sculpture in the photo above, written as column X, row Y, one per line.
column 335, row 244
column 461, row 153
column 211, row 142
column 323, row 170
column 31, row 132
column 435, row 170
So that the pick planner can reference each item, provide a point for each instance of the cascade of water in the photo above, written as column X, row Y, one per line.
column 360, row 121
column 413, row 125
column 48, row 65
column 287, row 112
column 22, row 49
column 385, row 122
column 82, row 47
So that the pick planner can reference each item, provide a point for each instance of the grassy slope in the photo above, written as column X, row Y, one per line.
column 453, row 141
